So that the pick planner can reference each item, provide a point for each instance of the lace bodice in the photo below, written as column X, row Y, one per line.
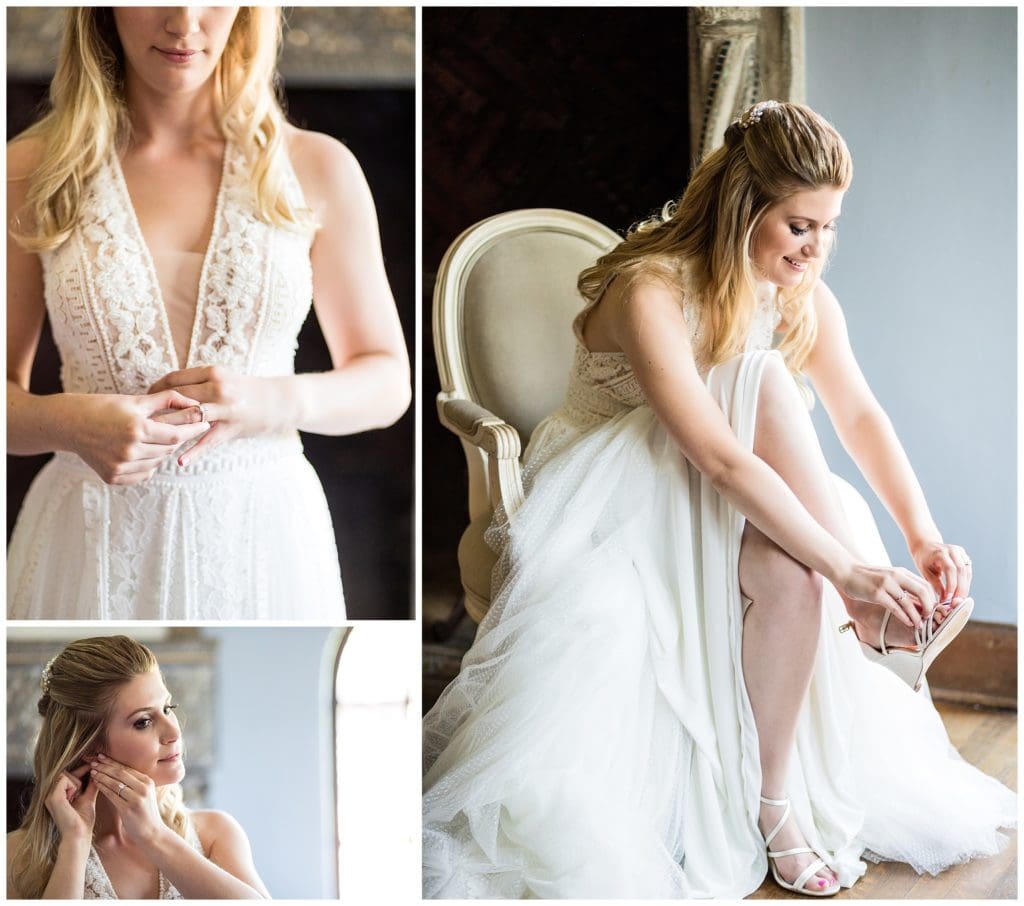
column 98, row 886
column 602, row 384
column 106, row 307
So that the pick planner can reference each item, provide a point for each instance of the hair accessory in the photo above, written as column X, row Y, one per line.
column 45, row 678
column 753, row 114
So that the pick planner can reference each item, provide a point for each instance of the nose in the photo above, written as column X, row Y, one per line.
column 814, row 245
column 182, row 21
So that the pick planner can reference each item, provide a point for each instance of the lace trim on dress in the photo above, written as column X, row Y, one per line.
column 97, row 882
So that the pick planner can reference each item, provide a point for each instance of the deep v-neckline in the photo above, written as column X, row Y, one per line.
column 150, row 266
column 160, row 889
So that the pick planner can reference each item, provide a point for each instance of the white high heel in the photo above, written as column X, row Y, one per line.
column 909, row 664
column 798, row 885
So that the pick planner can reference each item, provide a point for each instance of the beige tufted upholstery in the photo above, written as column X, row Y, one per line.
column 504, row 302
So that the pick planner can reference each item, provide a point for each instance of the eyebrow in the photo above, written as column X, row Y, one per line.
column 147, row 708
column 812, row 220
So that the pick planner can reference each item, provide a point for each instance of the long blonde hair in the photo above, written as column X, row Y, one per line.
column 89, row 119
column 701, row 245
column 80, row 686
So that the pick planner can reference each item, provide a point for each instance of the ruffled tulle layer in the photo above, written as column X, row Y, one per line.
column 244, row 534
column 599, row 743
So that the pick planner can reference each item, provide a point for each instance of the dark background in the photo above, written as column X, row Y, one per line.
column 368, row 478
column 584, row 109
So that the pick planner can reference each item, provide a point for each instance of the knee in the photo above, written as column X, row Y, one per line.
column 783, row 584
column 778, row 394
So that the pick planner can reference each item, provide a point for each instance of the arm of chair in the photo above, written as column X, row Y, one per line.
column 493, row 437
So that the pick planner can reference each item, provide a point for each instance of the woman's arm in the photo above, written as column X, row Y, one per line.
column 649, row 327
column 226, row 872
column 116, row 435
column 369, row 386
column 867, row 435
column 67, row 879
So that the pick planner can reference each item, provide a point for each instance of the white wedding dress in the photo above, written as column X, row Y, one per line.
column 599, row 743
column 98, row 886
column 244, row 532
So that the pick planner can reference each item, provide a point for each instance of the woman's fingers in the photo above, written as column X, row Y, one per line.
column 181, row 378
column 159, row 432
column 167, row 399
column 194, row 415
column 214, row 436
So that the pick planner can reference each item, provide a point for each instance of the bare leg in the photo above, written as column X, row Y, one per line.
column 781, row 626
column 780, row 638
column 786, row 440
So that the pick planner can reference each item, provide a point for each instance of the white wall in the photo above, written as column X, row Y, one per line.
column 273, row 723
column 927, row 258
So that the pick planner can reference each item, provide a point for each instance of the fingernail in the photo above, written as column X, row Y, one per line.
column 102, row 757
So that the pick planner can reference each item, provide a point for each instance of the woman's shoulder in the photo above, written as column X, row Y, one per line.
column 24, row 155
column 214, row 827
column 14, row 839
column 320, row 159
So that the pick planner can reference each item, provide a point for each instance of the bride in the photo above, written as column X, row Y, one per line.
column 175, row 227
column 106, row 819
column 661, row 701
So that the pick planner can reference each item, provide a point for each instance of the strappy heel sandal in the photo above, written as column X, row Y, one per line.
column 910, row 664
column 798, row 885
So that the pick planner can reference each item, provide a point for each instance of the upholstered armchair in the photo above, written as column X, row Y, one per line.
column 504, row 302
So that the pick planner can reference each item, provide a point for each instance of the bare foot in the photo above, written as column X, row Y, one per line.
column 790, row 867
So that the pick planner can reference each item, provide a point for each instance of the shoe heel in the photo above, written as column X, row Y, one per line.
column 905, row 664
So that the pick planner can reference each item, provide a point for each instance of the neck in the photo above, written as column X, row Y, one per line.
column 108, row 822
column 171, row 122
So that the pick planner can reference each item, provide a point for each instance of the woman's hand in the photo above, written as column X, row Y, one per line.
column 898, row 590
column 947, row 567
column 133, row 796
column 73, row 811
column 124, row 439
column 235, row 405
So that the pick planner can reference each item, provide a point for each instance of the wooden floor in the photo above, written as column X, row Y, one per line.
column 985, row 737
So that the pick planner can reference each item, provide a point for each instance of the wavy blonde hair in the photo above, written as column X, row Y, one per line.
column 89, row 119
column 700, row 246
column 79, row 691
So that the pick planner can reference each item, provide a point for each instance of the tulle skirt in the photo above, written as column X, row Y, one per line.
column 242, row 533
column 599, row 742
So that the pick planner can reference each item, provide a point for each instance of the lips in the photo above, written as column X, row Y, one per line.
column 173, row 757
column 177, row 54
column 796, row 265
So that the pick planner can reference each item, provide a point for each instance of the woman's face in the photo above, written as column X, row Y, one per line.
column 173, row 49
column 794, row 234
column 142, row 731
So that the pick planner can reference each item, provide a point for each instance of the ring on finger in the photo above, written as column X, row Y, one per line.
column 202, row 413
column 120, row 790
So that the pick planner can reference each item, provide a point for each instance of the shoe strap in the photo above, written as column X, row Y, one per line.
column 790, row 852
column 881, row 632
column 785, row 817
column 808, row 873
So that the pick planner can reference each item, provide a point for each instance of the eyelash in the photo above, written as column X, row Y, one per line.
column 143, row 722
column 796, row 231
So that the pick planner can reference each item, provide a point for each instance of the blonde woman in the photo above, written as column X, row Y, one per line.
column 106, row 818
column 175, row 228
column 659, row 702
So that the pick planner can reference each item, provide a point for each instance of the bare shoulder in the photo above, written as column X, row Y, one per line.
column 14, row 839
column 645, row 298
column 24, row 154
column 214, row 826
column 320, row 161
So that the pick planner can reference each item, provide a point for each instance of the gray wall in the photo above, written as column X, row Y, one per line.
column 274, row 717
column 926, row 264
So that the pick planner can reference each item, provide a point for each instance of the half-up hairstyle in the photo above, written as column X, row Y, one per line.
column 700, row 246
column 79, row 689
